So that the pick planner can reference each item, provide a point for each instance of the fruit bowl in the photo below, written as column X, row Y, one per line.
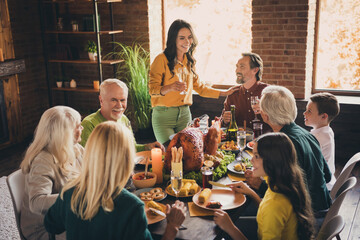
column 140, row 182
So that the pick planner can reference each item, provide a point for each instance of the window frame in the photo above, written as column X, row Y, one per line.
column 313, row 84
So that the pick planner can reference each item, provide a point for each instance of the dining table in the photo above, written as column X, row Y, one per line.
column 196, row 227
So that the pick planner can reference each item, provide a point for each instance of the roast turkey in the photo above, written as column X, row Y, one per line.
column 194, row 144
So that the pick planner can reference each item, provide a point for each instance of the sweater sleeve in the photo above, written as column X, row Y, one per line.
column 157, row 71
column 137, row 225
column 40, row 184
column 88, row 128
column 54, row 219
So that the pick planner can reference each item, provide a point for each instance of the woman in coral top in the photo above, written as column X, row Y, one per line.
column 285, row 211
column 172, row 80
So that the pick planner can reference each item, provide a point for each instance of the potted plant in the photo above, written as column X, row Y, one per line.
column 135, row 72
column 91, row 48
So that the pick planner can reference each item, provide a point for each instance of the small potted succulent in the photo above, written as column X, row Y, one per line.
column 91, row 48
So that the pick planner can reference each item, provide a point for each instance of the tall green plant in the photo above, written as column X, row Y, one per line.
column 135, row 72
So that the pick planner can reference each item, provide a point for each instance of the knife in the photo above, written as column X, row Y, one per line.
column 158, row 212
column 218, row 184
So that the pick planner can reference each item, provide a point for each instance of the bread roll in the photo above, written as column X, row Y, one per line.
column 204, row 195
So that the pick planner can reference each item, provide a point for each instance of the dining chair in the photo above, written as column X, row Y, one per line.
column 16, row 184
column 345, row 173
column 339, row 198
column 332, row 229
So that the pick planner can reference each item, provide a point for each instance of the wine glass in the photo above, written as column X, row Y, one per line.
column 181, row 75
column 254, row 101
column 241, row 141
column 176, row 181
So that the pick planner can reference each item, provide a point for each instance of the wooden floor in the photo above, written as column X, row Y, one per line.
column 10, row 160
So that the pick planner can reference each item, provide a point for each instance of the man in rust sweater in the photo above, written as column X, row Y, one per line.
column 249, row 71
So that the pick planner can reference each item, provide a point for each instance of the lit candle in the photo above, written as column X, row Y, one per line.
column 157, row 164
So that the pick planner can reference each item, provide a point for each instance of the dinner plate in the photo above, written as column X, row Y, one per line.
column 137, row 193
column 230, row 168
column 228, row 199
column 171, row 194
column 141, row 157
column 249, row 146
column 154, row 218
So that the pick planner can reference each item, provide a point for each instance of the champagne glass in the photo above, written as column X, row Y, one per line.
column 181, row 75
column 176, row 181
column 241, row 142
column 254, row 100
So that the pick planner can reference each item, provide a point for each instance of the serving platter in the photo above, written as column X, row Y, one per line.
column 228, row 199
column 154, row 218
column 137, row 193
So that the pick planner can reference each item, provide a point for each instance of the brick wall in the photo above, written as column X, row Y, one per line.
column 279, row 30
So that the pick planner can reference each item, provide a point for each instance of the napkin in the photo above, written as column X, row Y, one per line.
column 196, row 211
column 235, row 177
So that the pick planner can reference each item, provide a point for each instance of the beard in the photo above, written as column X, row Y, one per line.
column 240, row 79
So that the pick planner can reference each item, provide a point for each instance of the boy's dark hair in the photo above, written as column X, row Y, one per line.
column 326, row 103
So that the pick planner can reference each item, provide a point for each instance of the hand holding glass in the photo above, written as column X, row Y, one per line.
column 181, row 76
column 241, row 141
column 254, row 101
column 176, row 181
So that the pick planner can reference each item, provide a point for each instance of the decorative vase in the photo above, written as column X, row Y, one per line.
column 92, row 56
column 59, row 84
column 67, row 84
column 73, row 83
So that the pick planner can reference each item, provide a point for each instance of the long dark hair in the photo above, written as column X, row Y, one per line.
column 170, row 50
column 286, row 177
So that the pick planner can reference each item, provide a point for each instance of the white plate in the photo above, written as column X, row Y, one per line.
column 227, row 198
column 248, row 145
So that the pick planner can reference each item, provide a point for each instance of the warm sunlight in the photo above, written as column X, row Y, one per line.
column 223, row 29
column 338, row 51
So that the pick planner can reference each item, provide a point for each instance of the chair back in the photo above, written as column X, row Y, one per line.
column 344, row 189
column 344, row 175
column 16, row 184
column 332, row 229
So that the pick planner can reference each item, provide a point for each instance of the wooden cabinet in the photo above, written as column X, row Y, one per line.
column 64, row 53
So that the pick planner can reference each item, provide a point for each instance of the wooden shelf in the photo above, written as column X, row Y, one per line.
column 85, row 32
column 77, row 89
column 80, row 1
column 86, row 61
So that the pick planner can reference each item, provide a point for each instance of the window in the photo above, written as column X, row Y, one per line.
column 337, row 54
column 223, row 29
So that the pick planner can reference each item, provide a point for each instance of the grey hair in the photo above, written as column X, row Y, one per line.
column 279, row 104
column 110, row 81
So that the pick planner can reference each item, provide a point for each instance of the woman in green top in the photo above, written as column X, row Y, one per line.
column 95, row 205
column 285, row 211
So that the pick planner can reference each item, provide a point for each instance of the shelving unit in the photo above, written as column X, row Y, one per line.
column 57, row 34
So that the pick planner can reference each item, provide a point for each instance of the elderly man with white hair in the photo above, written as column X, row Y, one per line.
column 278, row 109
column 113, row 101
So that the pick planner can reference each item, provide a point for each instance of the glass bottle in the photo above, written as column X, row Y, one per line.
column 232, row 129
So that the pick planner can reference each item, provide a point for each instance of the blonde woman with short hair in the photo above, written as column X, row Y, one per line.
column 51, row 160
column 96, row 205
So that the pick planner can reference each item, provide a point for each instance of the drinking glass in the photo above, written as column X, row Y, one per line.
column 181, row 75
column 241, row 142
column 254, row 100
column 207, row 175
column 176, row 181
column 257, row 127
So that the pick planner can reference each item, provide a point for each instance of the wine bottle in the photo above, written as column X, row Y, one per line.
column 232, row 129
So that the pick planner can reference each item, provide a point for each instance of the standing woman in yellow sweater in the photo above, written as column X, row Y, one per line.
column 172, row 80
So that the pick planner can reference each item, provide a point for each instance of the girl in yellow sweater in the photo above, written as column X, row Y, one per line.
column 285, row 211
